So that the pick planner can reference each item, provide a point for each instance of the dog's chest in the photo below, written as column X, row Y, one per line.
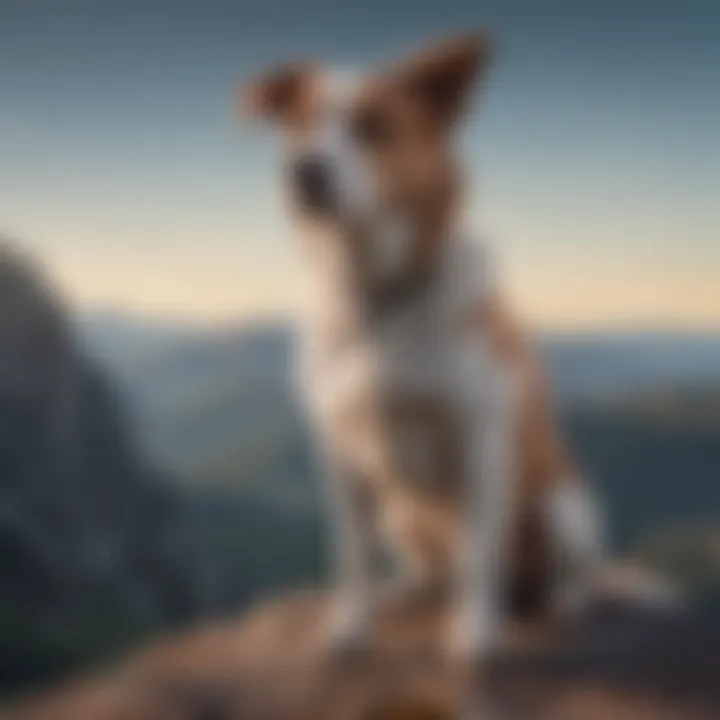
column 412, row 352
column 388, row 391
column 387, row 398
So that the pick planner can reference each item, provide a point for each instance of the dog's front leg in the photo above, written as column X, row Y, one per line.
column 483, row 554
column 351, row 540
column 351, row 525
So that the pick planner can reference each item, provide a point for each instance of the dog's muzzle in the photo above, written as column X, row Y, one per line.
column 313, row 185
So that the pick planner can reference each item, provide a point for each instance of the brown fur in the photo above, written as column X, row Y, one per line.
column 418, row 101
column 421, row 506
column 415, row 104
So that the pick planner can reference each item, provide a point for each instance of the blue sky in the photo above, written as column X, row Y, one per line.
column 594, row 153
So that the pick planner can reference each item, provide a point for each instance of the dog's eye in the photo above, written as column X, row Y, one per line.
column 371, row 128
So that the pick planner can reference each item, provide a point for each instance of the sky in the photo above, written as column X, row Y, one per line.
column 594, row 150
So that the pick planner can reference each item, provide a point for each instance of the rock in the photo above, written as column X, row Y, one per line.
column 625, row 661
column 94, row 547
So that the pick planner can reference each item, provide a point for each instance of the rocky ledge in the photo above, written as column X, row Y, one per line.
column 627, row 660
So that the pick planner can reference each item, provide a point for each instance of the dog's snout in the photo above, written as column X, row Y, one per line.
column 312, row 182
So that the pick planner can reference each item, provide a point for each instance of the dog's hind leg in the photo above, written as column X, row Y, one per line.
column 575, row 526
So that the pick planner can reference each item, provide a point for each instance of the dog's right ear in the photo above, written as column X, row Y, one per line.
column 278, row 95
column 442, row 75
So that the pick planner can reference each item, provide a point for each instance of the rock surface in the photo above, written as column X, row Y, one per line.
column 94, row 543
column 626, row 661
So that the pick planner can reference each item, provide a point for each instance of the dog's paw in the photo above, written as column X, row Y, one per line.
column 475, row 636
column 346, row 628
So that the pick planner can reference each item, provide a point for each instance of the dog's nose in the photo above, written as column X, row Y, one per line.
column 311, row 178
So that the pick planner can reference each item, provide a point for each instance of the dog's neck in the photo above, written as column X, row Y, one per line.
column 352, row 288
column 366, row 269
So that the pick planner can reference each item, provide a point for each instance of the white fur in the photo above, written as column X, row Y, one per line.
column 419, row 348
column 576, row 529
column 357, row 198
column 353, row 539
column 332, row 141
column 486, row 396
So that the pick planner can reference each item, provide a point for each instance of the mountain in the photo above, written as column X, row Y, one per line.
column 120, row 341
column 95, row 544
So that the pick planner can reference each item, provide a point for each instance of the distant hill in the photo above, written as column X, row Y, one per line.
column 592, row 366
column 655, row 470
column 206, row 397
column 582, row 364
column 642, row 411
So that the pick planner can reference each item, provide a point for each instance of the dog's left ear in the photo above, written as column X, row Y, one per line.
column 277, row 95
column 442, row 76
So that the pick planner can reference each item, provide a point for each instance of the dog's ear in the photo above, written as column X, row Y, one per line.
column 277, row 95
column 442, row 76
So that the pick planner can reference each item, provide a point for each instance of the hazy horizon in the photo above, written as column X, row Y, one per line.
column 594, row 157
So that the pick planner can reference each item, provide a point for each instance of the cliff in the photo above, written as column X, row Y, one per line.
column 94, row 544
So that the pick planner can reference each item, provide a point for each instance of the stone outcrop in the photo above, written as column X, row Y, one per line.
column 626, row 661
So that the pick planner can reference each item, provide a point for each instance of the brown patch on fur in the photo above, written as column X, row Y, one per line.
column 418, row 486
column 440, row 77
column 426, row 435
column 401, row 118
column 285, row 94
column 422, row 504
column 417, row 102
column 543, row 458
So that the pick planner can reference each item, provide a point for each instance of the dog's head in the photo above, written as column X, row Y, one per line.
column 372, row 151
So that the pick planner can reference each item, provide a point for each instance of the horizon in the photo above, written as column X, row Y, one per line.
column 592, row 152
column 286, row 321
column 161, row 319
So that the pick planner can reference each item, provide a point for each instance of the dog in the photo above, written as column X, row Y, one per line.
column 432, row 415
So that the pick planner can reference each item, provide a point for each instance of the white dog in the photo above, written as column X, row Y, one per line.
column 429, row 406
